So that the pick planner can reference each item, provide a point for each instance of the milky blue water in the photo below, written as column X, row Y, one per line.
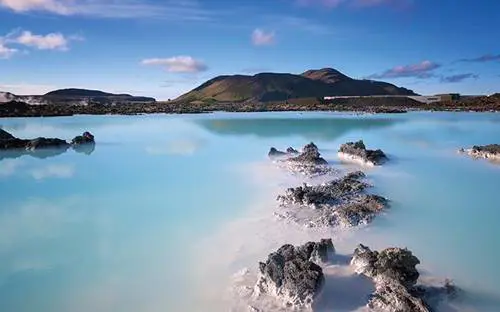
column 120, row 229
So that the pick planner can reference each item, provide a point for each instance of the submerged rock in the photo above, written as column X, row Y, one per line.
column 292, row 275
column 341, row 202
column 395, row 276
column 491, row 151
column 356, row 151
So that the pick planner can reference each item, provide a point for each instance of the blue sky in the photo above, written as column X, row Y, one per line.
column 163, row 48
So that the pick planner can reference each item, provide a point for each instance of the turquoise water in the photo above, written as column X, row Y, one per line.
column 120, row 229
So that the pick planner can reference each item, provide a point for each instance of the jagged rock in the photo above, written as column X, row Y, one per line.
column 310, row 155
column 394, row 274
column 341, row 203
column 291, row 275
column 4, row 135
column 325, row 194
column 291, row 150
column 273, row 152
column 361, row 212
column 85, row 138
column 491, row 151
column 356, row 151
column 309, row 162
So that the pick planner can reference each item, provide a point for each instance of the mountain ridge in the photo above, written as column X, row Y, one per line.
column 268, row 86
column 74, row 96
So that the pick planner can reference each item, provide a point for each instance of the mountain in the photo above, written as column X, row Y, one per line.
column 74, row 97
column 266, row 87
column 94, row 96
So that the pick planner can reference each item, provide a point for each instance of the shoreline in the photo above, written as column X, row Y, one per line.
column 21, row 109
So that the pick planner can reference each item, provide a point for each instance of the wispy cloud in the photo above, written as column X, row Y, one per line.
column 261, row 38
column 299, row 23
column 169, row 9
column 482, row 59
column 458, row 78
column 52, row 41
column 10, row 43
column 6, row 52
column 53, row 171
column 178, row 64
column 421, row 70
column 353, row 3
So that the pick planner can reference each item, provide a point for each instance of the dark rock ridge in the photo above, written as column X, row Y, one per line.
column 292, row 274
column 491, row 151
column 356, row 151
column 309, row 162
column 40, row 147
column 340, row 202
column 395, row 276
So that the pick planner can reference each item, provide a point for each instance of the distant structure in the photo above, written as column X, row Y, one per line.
column 427, row 99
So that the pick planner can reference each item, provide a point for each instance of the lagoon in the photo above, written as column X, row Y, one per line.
column 167, row 207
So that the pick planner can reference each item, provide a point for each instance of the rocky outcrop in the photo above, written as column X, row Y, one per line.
column 4, row 135
column 341, row 202
column 273, row 152
column 292, row 274
column 491, row 151
column 42, row 147
column 357, row 152
column 395, row 276
column 310, row 155
column 309, row 162
column 85, row 138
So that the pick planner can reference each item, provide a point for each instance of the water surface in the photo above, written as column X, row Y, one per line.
column 133, row 225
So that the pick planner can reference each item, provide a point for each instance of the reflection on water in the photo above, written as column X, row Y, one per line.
column 118, row 230
column 311, row 128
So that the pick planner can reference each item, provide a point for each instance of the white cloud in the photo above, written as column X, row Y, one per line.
column 59, row 7
column 52, row 41
column 178, row 64
column 6, row 52
column 170, row 9
column 53, row 171
column 261, row 37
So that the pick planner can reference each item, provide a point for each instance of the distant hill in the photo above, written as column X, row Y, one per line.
column 268, row 87
column 95, row 95
column 75, row 97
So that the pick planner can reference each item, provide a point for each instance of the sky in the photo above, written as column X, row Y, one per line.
column 163, row 48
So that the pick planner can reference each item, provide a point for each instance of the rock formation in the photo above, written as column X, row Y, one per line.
column 340, row 202
column 356, row 151
column 309, row 162
column 292, row 274
column 85, row 138
column 491, row 151
column 394, row 274
column 42, row 147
